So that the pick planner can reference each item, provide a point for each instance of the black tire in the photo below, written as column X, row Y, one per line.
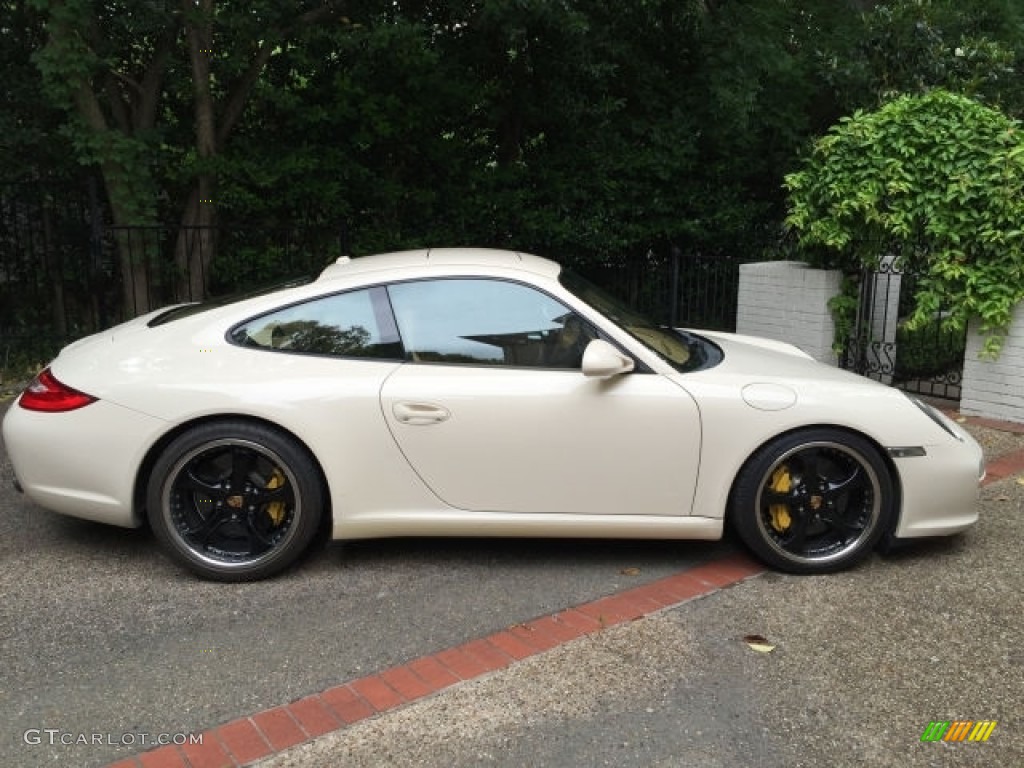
column 235, row 501
column 813, row 501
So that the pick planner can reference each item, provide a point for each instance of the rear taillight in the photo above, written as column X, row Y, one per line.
column 45, row 393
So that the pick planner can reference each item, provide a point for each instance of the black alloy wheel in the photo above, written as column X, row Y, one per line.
column 813, row 501
column 235, row 501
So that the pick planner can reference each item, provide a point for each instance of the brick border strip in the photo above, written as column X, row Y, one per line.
column 1003, row 467
column 247, row 739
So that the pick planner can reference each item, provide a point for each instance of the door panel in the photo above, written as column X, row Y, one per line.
column 532, row 441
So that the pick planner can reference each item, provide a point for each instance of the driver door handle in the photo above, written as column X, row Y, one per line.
column 420, row 413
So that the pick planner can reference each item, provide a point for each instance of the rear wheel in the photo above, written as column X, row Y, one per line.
column 235, row 501
column 813, row 501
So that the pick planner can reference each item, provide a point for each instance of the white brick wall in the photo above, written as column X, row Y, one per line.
column 995, row 388
column 788, row 301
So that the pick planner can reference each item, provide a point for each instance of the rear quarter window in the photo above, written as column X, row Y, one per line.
column 353, row 324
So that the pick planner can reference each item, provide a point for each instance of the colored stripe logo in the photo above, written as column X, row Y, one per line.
column 959, row 730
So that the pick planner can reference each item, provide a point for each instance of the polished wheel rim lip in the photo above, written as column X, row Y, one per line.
column 866, row 494
column 214, row 556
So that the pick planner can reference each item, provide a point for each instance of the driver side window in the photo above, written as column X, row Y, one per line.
column 487, row 322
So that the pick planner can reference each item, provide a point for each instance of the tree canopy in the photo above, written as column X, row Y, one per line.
column 588, row 131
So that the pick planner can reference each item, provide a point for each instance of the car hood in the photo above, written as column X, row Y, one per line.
column 755, row 359
column 737, row 341
column 783, row 388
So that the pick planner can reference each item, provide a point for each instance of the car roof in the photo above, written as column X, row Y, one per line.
column 440, row 258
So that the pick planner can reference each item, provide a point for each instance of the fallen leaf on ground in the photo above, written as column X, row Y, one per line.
column 758, row 643
column 630, row 571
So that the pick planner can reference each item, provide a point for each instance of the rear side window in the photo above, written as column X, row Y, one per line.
column 353, row 324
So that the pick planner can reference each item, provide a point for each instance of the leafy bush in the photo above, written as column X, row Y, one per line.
column 939, row 176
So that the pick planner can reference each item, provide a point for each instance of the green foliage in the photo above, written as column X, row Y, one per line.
column 843, row 307
column 589, row 131
column 940, row 175
column 91, row 55
column 595, row 132
column 914, row 46
column 31, row 144
column 22, row 357
column 970, row 48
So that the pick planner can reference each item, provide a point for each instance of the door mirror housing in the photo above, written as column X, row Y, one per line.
column 601, row 360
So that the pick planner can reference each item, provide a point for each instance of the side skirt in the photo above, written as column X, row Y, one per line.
column 454, row 522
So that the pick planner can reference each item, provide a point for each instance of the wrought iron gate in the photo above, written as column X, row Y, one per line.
column 926, row 361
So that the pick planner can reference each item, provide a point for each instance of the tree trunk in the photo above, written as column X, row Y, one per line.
column 126, row 175
column 52, row 267
column 194, row 250
column 122, row 192
column 135, row 253
column 195, row 245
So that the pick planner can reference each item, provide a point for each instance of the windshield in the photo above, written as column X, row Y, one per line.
column 683, row 351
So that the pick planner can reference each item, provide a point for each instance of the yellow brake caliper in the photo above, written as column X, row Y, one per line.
column 782, row 482
column 275, row 509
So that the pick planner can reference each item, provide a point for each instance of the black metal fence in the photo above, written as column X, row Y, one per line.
column 188, row 263
column 676, row 288
column 65, row 272
column 927, row 360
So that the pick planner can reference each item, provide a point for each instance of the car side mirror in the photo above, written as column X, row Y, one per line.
column 601, row 360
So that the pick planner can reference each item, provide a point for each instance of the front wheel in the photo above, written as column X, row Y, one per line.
column 814, row 501
column 234, row 501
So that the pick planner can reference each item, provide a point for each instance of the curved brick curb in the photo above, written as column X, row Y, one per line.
column 248, row 739
column 266, row 733
column 1005, row 466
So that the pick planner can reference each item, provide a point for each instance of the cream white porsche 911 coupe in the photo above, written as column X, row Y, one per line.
column 467, row 392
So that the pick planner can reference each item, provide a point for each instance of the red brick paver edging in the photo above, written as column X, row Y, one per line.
column 266, row 733
column 1004, row 466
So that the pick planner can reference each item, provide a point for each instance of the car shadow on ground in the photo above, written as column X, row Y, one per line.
column 66, row 538
column 521, row 552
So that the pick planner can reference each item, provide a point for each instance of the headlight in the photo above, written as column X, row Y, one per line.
column 948, row 425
